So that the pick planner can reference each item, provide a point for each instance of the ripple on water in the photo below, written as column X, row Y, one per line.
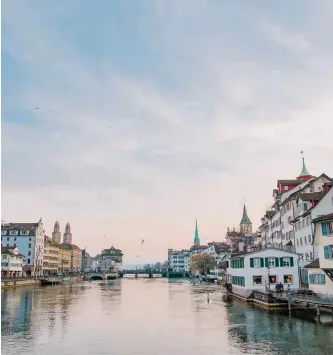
column 148, row 317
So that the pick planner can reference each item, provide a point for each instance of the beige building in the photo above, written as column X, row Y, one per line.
column 75, row 257
column 51, row 256
column 64, row 259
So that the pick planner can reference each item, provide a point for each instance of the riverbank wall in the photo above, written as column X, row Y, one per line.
column 13, row 283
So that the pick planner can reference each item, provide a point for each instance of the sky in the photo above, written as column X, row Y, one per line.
column 154, row 113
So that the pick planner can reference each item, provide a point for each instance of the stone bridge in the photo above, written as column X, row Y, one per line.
column 91, row 276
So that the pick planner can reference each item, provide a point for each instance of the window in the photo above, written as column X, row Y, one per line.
column 29, row 239
column 13, row 232
column 288, row 279
column 305, row 240
column 271, row 262
column 318, row 279
column 28, row 261
column 7, row 245
column 256, row 262
column 297, row 242
column 308, row 220
column 309, row 238
column 29, row 253
column 301, row 241
column 327, row 228
column 257, row 280
column 29, row 245
column 311, row 255
column 286, row 262
column 24, row 232
column 328, row 252
column 238, row 280
column 5, row 232
column 272, row 279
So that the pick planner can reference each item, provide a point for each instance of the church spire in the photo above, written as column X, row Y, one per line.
column 196, row 234
column 304, row 175
column 245, row 217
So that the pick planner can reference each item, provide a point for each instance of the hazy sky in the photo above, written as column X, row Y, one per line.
column 210, row 102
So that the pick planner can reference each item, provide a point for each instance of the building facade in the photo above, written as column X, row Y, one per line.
column 75, row 257
column 87, row 261
column 262, row 270
column 51, row 261
column 29, row 238
column 11, row 262
column 179, row 261
column 111, row 260
column 64, row 260
column 321, row 270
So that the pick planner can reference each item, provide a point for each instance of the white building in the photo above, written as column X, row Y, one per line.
column 262, row 270
column 29, row 238
column 321, row 270
column 11, row 262
column 111, row 260
column 217, row 250
column 179, row 261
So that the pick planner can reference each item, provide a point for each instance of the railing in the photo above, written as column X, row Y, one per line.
column 323, row 299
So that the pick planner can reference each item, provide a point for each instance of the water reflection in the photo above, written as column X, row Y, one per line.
column 148, row 317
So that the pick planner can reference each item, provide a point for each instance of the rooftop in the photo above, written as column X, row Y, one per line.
column 314, row 265
column 325, row 217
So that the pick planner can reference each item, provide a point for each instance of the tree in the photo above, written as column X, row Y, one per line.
column 201, row 263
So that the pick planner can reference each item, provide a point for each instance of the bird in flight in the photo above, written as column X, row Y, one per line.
column 36, row 108
column 142, row 241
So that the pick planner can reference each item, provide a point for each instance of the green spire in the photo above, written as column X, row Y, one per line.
column 245, row 218
column 304, row 171
column 196, row 234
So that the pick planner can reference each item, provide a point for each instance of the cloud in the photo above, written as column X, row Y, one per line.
column 208, row 103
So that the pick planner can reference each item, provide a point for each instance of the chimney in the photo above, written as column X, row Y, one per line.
column 241, row 246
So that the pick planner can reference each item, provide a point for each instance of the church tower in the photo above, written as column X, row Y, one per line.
column 304, row 175
column 196, row 234
column 245, row 224
column 56, row 235
column 68, row 234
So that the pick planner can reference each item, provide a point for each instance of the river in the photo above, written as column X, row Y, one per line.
column 148, row 317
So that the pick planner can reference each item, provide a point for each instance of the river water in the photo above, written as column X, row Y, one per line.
column 148, row 317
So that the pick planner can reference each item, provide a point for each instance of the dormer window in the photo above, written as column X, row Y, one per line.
column 3, row 232
column 13, row 232
column 24, row 232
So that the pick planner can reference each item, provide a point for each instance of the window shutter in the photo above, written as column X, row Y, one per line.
column 281, row 262
column 326, row 252
column 261, row 262
column 324, row 228
column 310, row 279
column 266, row 262
column 322, row 279
column 251, row 262
column 276, row 262
column 292, row 261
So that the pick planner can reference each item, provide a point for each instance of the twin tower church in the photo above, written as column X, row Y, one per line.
column 245, row 228
column 56, row 235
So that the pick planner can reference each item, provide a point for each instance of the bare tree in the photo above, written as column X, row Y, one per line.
column 201, row 263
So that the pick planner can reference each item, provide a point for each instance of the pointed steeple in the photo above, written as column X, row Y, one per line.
column 245, row 217
column 196, row 234
column 304, row 175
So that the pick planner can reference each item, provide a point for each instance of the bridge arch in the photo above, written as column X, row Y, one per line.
column 95, row 278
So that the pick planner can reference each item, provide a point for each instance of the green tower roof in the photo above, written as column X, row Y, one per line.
column 196, row 234
column 245, row 217
column 304, row 171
